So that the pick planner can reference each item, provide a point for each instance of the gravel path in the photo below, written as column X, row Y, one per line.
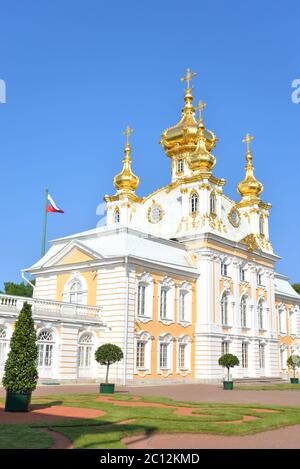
column 185, row 392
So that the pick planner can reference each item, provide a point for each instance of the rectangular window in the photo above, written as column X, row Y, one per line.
column 242, row 275
column 225, row 347
column 243, row 313
column 224, row 310
column 141, row 300
column 179, row 166
column 259, row 278
column 181, row 306
column 224, row 269
column 292, row 324
column 282, row 322
column 163, row 356
column 212, row 204
column 163, row 303
column 244, row 355
column 261, row 356
column 140, row 355
column 181, row 356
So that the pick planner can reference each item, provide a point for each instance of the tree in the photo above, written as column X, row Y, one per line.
column 20, row 373
column 296, row 286
column 107, row 354
column 18, row 289
column 228, row 361
column 293, row 362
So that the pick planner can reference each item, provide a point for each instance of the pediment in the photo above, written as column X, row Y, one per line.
column 73, row 253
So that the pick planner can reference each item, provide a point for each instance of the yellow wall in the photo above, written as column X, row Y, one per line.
column 284, row 339
column 75, row 257
column 156, row 328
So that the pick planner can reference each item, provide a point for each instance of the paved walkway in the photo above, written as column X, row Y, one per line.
column 48, row 413
column 284, row 438
column 184, row 392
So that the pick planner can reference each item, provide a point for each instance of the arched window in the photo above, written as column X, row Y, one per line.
column 194, row 203
column 260, row 312
column 45, row 348
column 261, row 225
column 243, row 310
column 212, row 204
column 184, row 353
column 224, row 309
column 117, row 216
column 85, row 351
column 165, row 352
column 3, row 346
column 179, row 166
column 143, row 352
column 144, row 297
column 75, row 293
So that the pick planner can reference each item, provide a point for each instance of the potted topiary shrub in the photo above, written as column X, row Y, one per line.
column 20, row 374
column 228, row 361
column 294, row 362
column 107, row 354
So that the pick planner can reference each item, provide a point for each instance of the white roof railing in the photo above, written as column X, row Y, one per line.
column 41, row 307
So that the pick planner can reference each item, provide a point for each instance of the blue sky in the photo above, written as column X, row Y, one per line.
column 77, row 72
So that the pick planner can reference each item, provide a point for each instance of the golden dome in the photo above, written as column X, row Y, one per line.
column 250, row 189
column 184, row 136
column 126, row 180
column 201, row 160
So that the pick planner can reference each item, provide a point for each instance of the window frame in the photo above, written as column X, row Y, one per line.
column 194, row 203
column 245, row 355
column 180, row 166
column 224, row 302
column 244, row 312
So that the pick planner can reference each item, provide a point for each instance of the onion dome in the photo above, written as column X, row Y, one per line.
column 250, row 189
column 126, row 180
column 201, row 159
column 184, row 136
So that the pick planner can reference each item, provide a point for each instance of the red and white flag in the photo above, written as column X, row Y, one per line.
column 52, row 207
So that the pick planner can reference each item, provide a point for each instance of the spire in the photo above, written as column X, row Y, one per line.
column 188, row 110
column 200, row 107
column 250, row 189
column 126, row 180
column 182, row 138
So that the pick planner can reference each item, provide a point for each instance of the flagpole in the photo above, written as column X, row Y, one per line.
column 45, row 224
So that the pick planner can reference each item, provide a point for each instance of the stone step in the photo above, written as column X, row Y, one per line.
column 260, row 380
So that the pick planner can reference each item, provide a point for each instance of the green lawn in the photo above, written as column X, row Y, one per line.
column 107, row 432
column 270, row 387
column 23, row 436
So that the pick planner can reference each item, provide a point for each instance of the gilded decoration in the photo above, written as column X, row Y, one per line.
column 234, row 217
column 155, row 213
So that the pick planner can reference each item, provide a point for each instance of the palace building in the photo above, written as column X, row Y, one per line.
column 176, row 278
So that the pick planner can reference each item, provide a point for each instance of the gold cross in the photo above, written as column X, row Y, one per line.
column 200, row 107
column 247, row 140
column 188, row 77
column 127, row 133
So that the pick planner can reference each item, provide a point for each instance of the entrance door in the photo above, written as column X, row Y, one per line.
column 85, row 351
column 45, row 354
